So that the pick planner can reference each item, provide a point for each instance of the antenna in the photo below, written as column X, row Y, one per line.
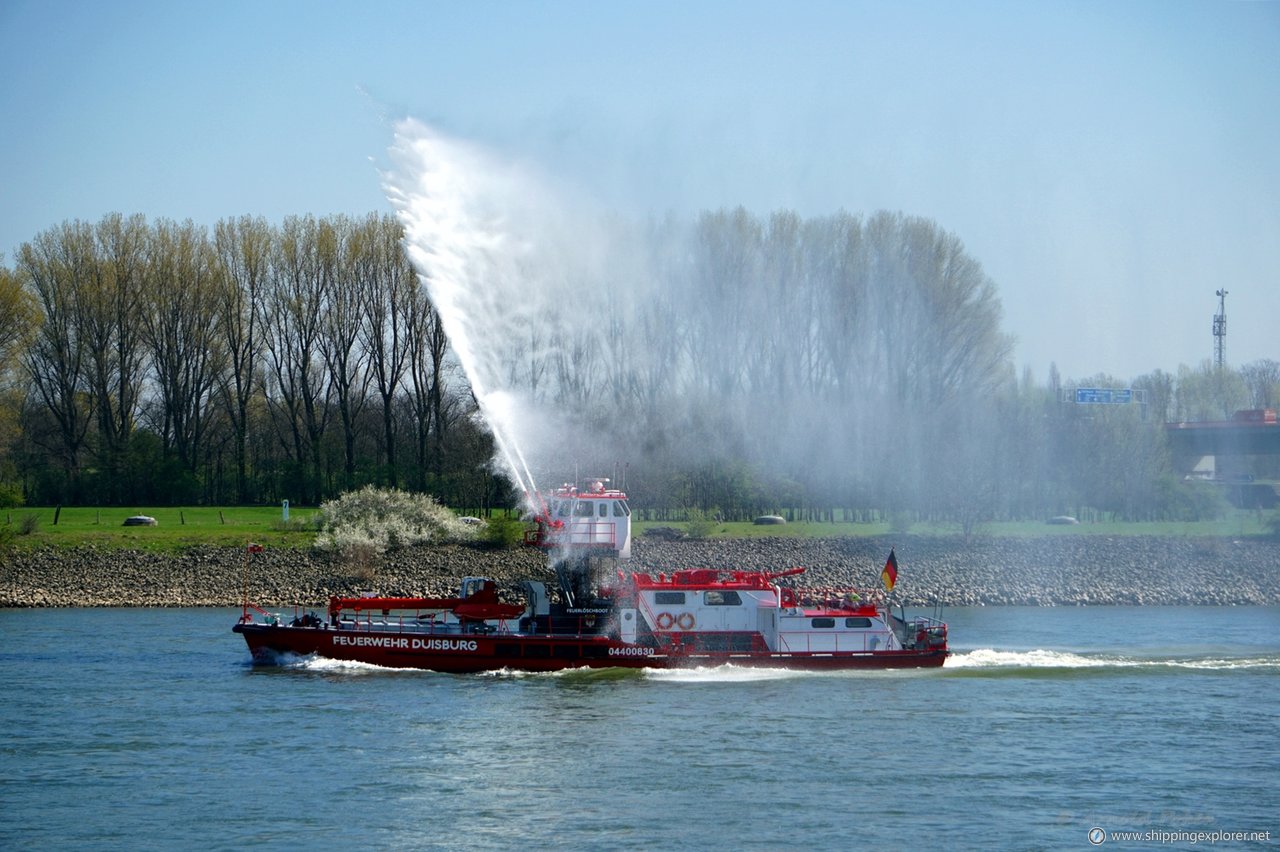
column 1220, row 330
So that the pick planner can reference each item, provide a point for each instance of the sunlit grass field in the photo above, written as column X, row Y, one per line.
column 234, row 526
column 176, row 528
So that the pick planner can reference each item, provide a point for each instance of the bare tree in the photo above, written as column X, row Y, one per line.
column 1208, row 392
column 1158, row 388
column 244, row 253
column 1262, row 377
column 57, row 265
column 182, row 333
column 575, row 363
column 299, row 387
column 341, row 325
column 428, row 348
column 111, row 316
column 386, row 283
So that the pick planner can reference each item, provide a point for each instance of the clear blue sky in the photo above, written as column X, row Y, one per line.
column 1111, row 164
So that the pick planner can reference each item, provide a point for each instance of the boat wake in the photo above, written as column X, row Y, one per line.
column 989, row 660
column 724, row 674
column 325, row 665
column 578, row 674
column 730, row 673
column 980, row 662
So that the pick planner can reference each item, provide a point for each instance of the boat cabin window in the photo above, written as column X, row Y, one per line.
column 721, row 598
column 621, row 509
column 562, row 509
column 857, row 622
column 824, row 622
column 583, row 509
column 668, row 598
column 602, row 509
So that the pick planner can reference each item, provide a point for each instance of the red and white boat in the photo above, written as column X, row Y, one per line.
column 698, row 617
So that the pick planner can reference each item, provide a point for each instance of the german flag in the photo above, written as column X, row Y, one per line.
column 889, row 576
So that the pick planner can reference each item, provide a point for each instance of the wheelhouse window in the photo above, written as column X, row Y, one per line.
column 721, row 598
column 823, row 622
column 583, row 509
column 621, row 509
column 857, row 622
column 669, row 598
column 602, row 509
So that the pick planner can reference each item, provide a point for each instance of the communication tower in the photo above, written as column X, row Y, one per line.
column 1220, row 331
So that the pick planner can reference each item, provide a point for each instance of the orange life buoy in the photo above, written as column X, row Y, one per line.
column 686, row 621
column 665, row 620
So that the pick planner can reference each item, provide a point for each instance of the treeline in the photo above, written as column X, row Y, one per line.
column 845, row 363
column 1026, row 452
column 159, row 363
column 742, row 365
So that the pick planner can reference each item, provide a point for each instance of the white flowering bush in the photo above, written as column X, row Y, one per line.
column 382, row 519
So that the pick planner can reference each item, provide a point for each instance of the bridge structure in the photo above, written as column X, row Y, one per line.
column 1211, row 451
column 1224, row 438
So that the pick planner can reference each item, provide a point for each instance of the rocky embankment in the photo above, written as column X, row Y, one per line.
column 1066, row 570
column 1053, row 570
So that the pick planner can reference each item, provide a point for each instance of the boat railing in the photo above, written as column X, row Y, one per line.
column 575, row 533
column 420, row 622
column 927, row 631
column 835, row 598
column 416, row 623
column 832, row 641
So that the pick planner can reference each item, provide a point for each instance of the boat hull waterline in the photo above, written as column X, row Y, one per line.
column 467, row 654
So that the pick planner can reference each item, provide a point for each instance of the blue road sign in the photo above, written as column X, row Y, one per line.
column 1104, row 396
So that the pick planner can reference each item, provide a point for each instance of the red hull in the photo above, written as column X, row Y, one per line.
column 468, row 653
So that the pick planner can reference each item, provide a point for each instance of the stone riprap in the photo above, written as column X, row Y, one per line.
column 1065, row 570
column 216, row 576
column 1051, row 570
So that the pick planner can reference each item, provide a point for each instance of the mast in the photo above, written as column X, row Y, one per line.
column 1220, row 330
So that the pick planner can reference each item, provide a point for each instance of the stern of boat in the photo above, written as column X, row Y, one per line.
column 920, row 633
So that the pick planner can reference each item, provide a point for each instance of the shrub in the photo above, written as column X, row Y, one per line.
column 386, row 519
column 503, row 531
column 29, row 524
column 699, row 524
column 11, row 495
column 1204, row 502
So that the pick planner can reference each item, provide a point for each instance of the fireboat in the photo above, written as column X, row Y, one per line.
column 608, row 617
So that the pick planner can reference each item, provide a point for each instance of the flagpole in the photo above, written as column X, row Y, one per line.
column 889, row 579
column 244, row 611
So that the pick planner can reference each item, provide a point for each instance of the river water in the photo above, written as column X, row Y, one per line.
column 150, row 729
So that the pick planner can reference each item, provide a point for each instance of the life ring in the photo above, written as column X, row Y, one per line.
column 665, row 620
column 686, row 621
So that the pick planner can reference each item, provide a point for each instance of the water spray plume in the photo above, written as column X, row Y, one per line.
column 840, row 354
column 449, row 196
column 525, row 281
